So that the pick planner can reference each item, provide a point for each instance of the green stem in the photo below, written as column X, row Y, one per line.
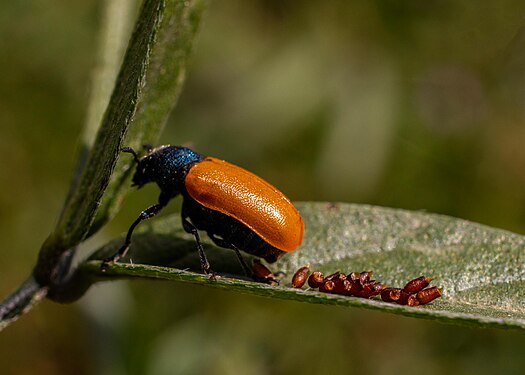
column 20, row 301
column 146, row 90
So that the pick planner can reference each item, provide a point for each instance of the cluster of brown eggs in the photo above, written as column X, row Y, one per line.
column 360, row 284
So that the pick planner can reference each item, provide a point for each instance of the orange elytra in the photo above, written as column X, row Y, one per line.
column 232, row 190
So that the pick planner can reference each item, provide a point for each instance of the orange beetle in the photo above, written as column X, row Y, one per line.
column 237, row 209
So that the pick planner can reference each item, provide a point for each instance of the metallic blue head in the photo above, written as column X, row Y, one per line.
column 165, row 165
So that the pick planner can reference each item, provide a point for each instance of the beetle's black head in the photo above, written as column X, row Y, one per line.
column 165, row 165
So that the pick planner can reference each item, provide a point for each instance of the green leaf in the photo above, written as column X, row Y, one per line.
column 481, row 269
column 80, row 209
column 162, row 83
column 146, row 90
column 115, row 29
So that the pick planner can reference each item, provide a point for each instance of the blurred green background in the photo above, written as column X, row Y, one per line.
column 402, row 104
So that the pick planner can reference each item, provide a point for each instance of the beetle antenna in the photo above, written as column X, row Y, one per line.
column 129, row 150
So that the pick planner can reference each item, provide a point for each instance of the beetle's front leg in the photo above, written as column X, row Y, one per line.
column 146, row 214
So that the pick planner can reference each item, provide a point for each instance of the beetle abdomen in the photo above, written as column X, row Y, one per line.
column 228, row 232
column 235, row 192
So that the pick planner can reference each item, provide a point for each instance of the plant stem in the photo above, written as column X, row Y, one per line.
column 20, row 301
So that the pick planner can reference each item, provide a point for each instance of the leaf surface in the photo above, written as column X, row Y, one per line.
column 480, row 269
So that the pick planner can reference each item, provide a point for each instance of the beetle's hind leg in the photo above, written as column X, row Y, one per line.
column 228, row 245
column 205, row 265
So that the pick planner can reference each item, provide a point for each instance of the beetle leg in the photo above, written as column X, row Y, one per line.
column 245, row 267
column 146, row 214
column 205, row 265
column 227, row 245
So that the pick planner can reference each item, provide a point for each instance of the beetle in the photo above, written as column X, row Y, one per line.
column 237, row 209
